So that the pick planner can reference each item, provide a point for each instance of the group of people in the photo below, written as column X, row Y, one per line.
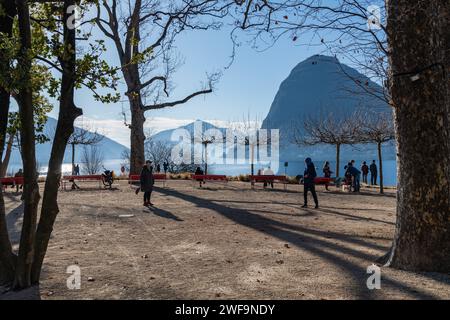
column 352, row 177
column 165, row 167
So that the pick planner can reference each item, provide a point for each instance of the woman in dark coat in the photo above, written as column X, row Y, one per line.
column 147, row 182
column 327, row 172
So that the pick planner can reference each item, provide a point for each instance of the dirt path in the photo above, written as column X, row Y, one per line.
column 224, row 242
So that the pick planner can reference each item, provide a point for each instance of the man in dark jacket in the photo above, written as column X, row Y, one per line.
column 147, row 182
column 308, row 183
column 356, row 174
column 373, row 173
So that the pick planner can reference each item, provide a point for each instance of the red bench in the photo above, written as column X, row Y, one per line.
column 157, row 176
column 268, row 179
column 323, row 180
column 11, row 181
column 93, row 177
column 209, row 177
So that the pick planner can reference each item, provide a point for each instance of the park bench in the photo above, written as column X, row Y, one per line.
column 208, row 177
column 11, row 181
column 134, row 178
column 82, row 178
column 269, row 179
column 323, row 180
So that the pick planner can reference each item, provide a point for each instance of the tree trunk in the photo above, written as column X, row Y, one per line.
column 68, row 112
column 73, row 158
column 380, row 160
column 419, row 40
column 137, row 137
column 338, row 159
column 31, row 195
column 5, row 163
column 7, row 256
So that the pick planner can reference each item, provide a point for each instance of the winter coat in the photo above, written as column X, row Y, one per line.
column 147, row 180
column 310, row 172
column 373, row 168
column 365, row 169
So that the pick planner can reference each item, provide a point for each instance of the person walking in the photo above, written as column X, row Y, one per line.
column 373, row 173
column 327, row 173
column 158, row 168
column 199, row 172
column 308, row 183
column 365, row 172
column 165, row 167
column 147, row 182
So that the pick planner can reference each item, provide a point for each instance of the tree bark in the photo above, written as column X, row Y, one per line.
column 5, row 163
column 7, row 257
column 31, row 195
column 380, row 160
column 68, row 112
column 419, row 40
column 338, row 159
column 137, row 137
column 73, row 158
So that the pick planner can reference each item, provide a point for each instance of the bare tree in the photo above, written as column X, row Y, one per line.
column 378, row 128
column 203, row 139
column 125, row 159
column 83, row 136
column 143, row 32
column 247, row 132
column 331, row 129
column 157, row 151
column 92, row 159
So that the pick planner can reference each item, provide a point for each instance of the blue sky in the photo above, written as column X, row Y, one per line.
column 248, row 87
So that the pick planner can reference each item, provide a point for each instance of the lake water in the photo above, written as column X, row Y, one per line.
column 293, row 169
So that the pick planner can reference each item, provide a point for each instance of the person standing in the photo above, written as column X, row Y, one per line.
column 327, row 173
column 147, row 182
column 308, row 183
column 165, row 167
column 158, row 168
column 365, row 171
column 373, row 173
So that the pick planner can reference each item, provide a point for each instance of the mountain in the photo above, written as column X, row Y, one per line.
column 321, row 85
column 111, row 149
column 166, row 135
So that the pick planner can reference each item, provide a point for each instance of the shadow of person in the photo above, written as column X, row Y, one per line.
column 164, row 214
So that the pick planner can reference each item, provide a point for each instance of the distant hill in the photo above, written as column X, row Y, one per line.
column 166, row 135
column 111, row 149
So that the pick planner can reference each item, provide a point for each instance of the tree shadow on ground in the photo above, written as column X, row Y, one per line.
column 13, row 224
column 351, row 216
column 32, row 293
column 362, row 193
column 306, row 239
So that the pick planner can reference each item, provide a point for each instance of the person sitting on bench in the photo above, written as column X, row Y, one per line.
column 19, row 174
column 268, row 172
